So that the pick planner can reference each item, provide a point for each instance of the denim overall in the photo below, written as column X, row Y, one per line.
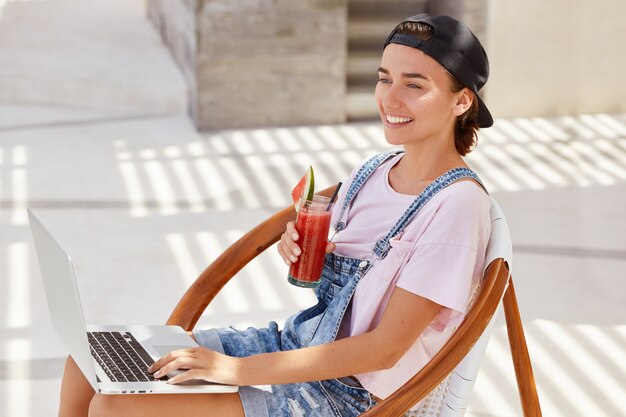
column 320, row 323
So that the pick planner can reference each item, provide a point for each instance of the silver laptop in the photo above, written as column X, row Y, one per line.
column 114, row 359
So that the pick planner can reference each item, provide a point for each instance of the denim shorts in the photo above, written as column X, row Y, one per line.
column 343, row 397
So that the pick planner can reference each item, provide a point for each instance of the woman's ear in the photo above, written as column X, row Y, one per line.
column 464, row 99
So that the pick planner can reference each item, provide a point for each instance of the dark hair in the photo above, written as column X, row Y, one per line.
column 466, row 124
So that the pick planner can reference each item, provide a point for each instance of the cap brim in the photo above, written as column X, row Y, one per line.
column 484, row 116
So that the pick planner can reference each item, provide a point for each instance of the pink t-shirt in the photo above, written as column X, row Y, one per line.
column 439, row 256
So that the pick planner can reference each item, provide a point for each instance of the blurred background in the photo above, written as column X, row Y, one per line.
column 150, row 134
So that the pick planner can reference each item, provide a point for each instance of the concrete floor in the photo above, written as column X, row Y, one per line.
column 143, row 202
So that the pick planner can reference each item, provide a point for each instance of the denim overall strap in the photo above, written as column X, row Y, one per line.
column 382, row 247
column 344, row 287
column 364, row 172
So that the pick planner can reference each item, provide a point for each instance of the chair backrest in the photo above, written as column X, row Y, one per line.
column 449, row 358
column 458, row 387
column 446, row 392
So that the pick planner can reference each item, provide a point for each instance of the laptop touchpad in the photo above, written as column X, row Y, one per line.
column 165, row 349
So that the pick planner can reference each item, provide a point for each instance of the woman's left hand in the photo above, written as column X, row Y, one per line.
column 199, row 363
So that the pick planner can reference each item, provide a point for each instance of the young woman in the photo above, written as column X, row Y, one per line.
column 412, row 230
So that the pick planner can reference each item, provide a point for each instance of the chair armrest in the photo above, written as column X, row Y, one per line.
column 193, row 303
column 455, row 349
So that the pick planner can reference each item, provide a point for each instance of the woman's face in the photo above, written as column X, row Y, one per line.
column 414, row 96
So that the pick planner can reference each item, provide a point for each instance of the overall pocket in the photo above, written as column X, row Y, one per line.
column 300, row 328
column 375, row 288
column 349, row 400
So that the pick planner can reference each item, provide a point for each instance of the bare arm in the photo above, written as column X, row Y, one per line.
column 405, row 318
column 407, row 315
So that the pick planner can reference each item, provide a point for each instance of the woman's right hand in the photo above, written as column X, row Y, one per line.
column 289, row 249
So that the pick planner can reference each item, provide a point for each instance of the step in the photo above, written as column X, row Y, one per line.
column 361, row 105
column 363, row 66
column 398, row 9
column 369, row 33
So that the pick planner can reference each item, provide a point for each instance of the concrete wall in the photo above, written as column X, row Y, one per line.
column 176, row 22
column 252, row 63
column 259, row 62
column 556, row 57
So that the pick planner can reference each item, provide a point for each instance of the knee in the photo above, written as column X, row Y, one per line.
column 70, row 366
column 107, row 406
column 73, row 372
column 74, row 386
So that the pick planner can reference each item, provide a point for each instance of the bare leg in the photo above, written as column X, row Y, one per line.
column 76, row 392
column 166, row 405
column 78, row 399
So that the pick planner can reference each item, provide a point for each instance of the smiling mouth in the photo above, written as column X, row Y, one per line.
column 397, row 120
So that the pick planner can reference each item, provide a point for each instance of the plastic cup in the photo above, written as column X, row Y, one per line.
column 312, row 224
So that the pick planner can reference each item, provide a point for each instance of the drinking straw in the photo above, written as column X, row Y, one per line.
column 334, row 196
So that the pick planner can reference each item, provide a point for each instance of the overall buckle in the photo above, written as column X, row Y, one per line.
column 382, row 248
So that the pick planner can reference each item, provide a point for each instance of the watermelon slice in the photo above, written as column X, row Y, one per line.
column 305, row 187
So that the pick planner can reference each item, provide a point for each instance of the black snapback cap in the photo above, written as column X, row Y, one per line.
column 456, row 48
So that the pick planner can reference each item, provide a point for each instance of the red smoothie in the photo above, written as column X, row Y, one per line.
column 312, row 224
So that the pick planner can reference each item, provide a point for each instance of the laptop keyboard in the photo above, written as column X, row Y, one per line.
column 121, row 356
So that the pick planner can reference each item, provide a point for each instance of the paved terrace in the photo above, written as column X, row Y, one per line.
column 143, row 202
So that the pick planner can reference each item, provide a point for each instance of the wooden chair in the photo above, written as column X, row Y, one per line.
column 443, row 387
